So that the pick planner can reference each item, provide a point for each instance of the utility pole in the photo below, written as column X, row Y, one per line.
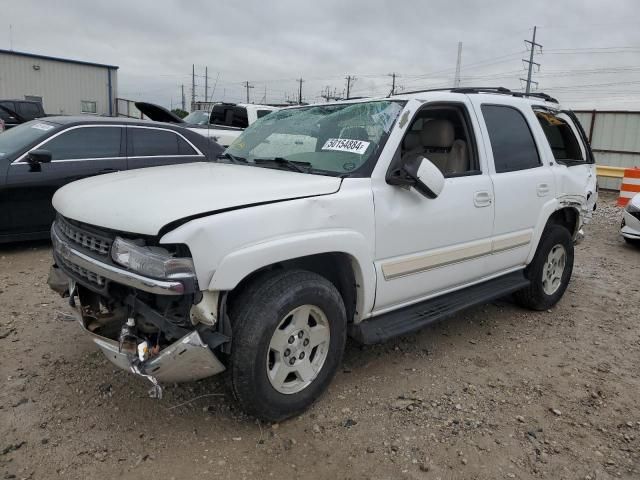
column 206, row 84
column 393, row 83
column 300, row 80
column 247, row 86
column 531, row 63
column 349, row 79
column 456, row 80
column 183, row 101
column 193, row 86
column 213, row 90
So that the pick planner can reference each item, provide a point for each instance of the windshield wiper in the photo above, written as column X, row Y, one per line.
column 233, row 158
column 290, row 164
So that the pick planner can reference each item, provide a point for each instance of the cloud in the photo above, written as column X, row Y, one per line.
column 271, row 44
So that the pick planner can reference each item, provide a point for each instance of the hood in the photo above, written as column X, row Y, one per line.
column 157, row 113
column 145, row 200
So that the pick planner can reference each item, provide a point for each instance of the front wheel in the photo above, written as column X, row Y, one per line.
column 549, row 271
column 289, row 333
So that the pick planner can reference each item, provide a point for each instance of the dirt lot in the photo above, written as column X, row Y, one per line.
column 498, row 392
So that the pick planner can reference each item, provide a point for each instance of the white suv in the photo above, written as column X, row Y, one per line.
column 370, row 218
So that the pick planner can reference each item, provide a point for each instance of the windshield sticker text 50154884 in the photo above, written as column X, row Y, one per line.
column 346, row 145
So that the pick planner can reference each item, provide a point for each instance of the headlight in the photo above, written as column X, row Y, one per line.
column 155, row 262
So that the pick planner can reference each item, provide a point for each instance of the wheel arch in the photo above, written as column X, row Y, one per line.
column 566, row 214
column 340, row 268
column 343, row 257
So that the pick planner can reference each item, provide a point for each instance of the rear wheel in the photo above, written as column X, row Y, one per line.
column 289, row 332
column 549, row 271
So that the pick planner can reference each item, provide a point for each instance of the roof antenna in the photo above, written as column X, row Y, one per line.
column 11, row 37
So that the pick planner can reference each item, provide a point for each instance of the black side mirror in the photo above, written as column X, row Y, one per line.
column 428, row 180
column 39, row 156
column 400, row 177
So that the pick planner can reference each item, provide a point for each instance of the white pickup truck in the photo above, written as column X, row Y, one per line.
column 223, row 124
column 370, row 218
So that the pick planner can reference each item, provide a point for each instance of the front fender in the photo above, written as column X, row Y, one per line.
column 228, row 246
column 238, row 264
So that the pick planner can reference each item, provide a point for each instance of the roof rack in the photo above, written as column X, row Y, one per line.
column 541, row 95
column 499, row 90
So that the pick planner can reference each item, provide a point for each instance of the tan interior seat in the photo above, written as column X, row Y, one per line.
column 437, row 142
column 442, row 149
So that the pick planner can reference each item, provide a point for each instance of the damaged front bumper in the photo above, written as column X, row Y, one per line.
column 142, row 325
column 187, row 359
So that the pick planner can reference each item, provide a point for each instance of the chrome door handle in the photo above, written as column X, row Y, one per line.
column 482, row 199
column 543, row 189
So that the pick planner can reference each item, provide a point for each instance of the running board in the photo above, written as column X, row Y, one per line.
column 415, row 317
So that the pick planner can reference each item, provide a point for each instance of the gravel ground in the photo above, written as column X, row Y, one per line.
column 497, row 392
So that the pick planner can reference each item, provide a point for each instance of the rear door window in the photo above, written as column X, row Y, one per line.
column 561, row 137
column 152, row 142
column 86, row 143
column 511, row 139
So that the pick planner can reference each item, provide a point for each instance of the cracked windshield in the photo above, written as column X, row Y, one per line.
column 331, row 139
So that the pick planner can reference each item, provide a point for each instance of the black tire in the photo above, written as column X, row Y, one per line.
column 534, row 296
column 256, row 314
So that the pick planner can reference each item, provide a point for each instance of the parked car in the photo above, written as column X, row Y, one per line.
column 15, row 112
column 370, row 218
column 38, row 157
column 630, row 228
column 224, row 123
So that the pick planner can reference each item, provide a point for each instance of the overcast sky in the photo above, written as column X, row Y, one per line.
column 590, row 56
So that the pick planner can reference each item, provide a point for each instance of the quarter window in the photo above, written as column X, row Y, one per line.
column 87, row 142
column 88, row 107
column 240, row 118
column 149, row 142
column 560, row 136
column 511, row 140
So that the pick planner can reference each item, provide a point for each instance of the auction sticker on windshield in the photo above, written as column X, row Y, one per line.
column 346, row 145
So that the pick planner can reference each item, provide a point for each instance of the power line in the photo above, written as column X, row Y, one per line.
column 300, row 80
column 193, row 86
column 349, row 80
column 456, row 79
column 328, row 95
column 248, row 86
column 531, row 63
column 393, row 83
column 206, row 83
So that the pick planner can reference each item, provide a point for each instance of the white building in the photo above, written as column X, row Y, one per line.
column 63, row 86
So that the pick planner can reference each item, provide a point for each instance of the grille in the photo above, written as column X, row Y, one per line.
column 94, row 278
column 83, row 238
